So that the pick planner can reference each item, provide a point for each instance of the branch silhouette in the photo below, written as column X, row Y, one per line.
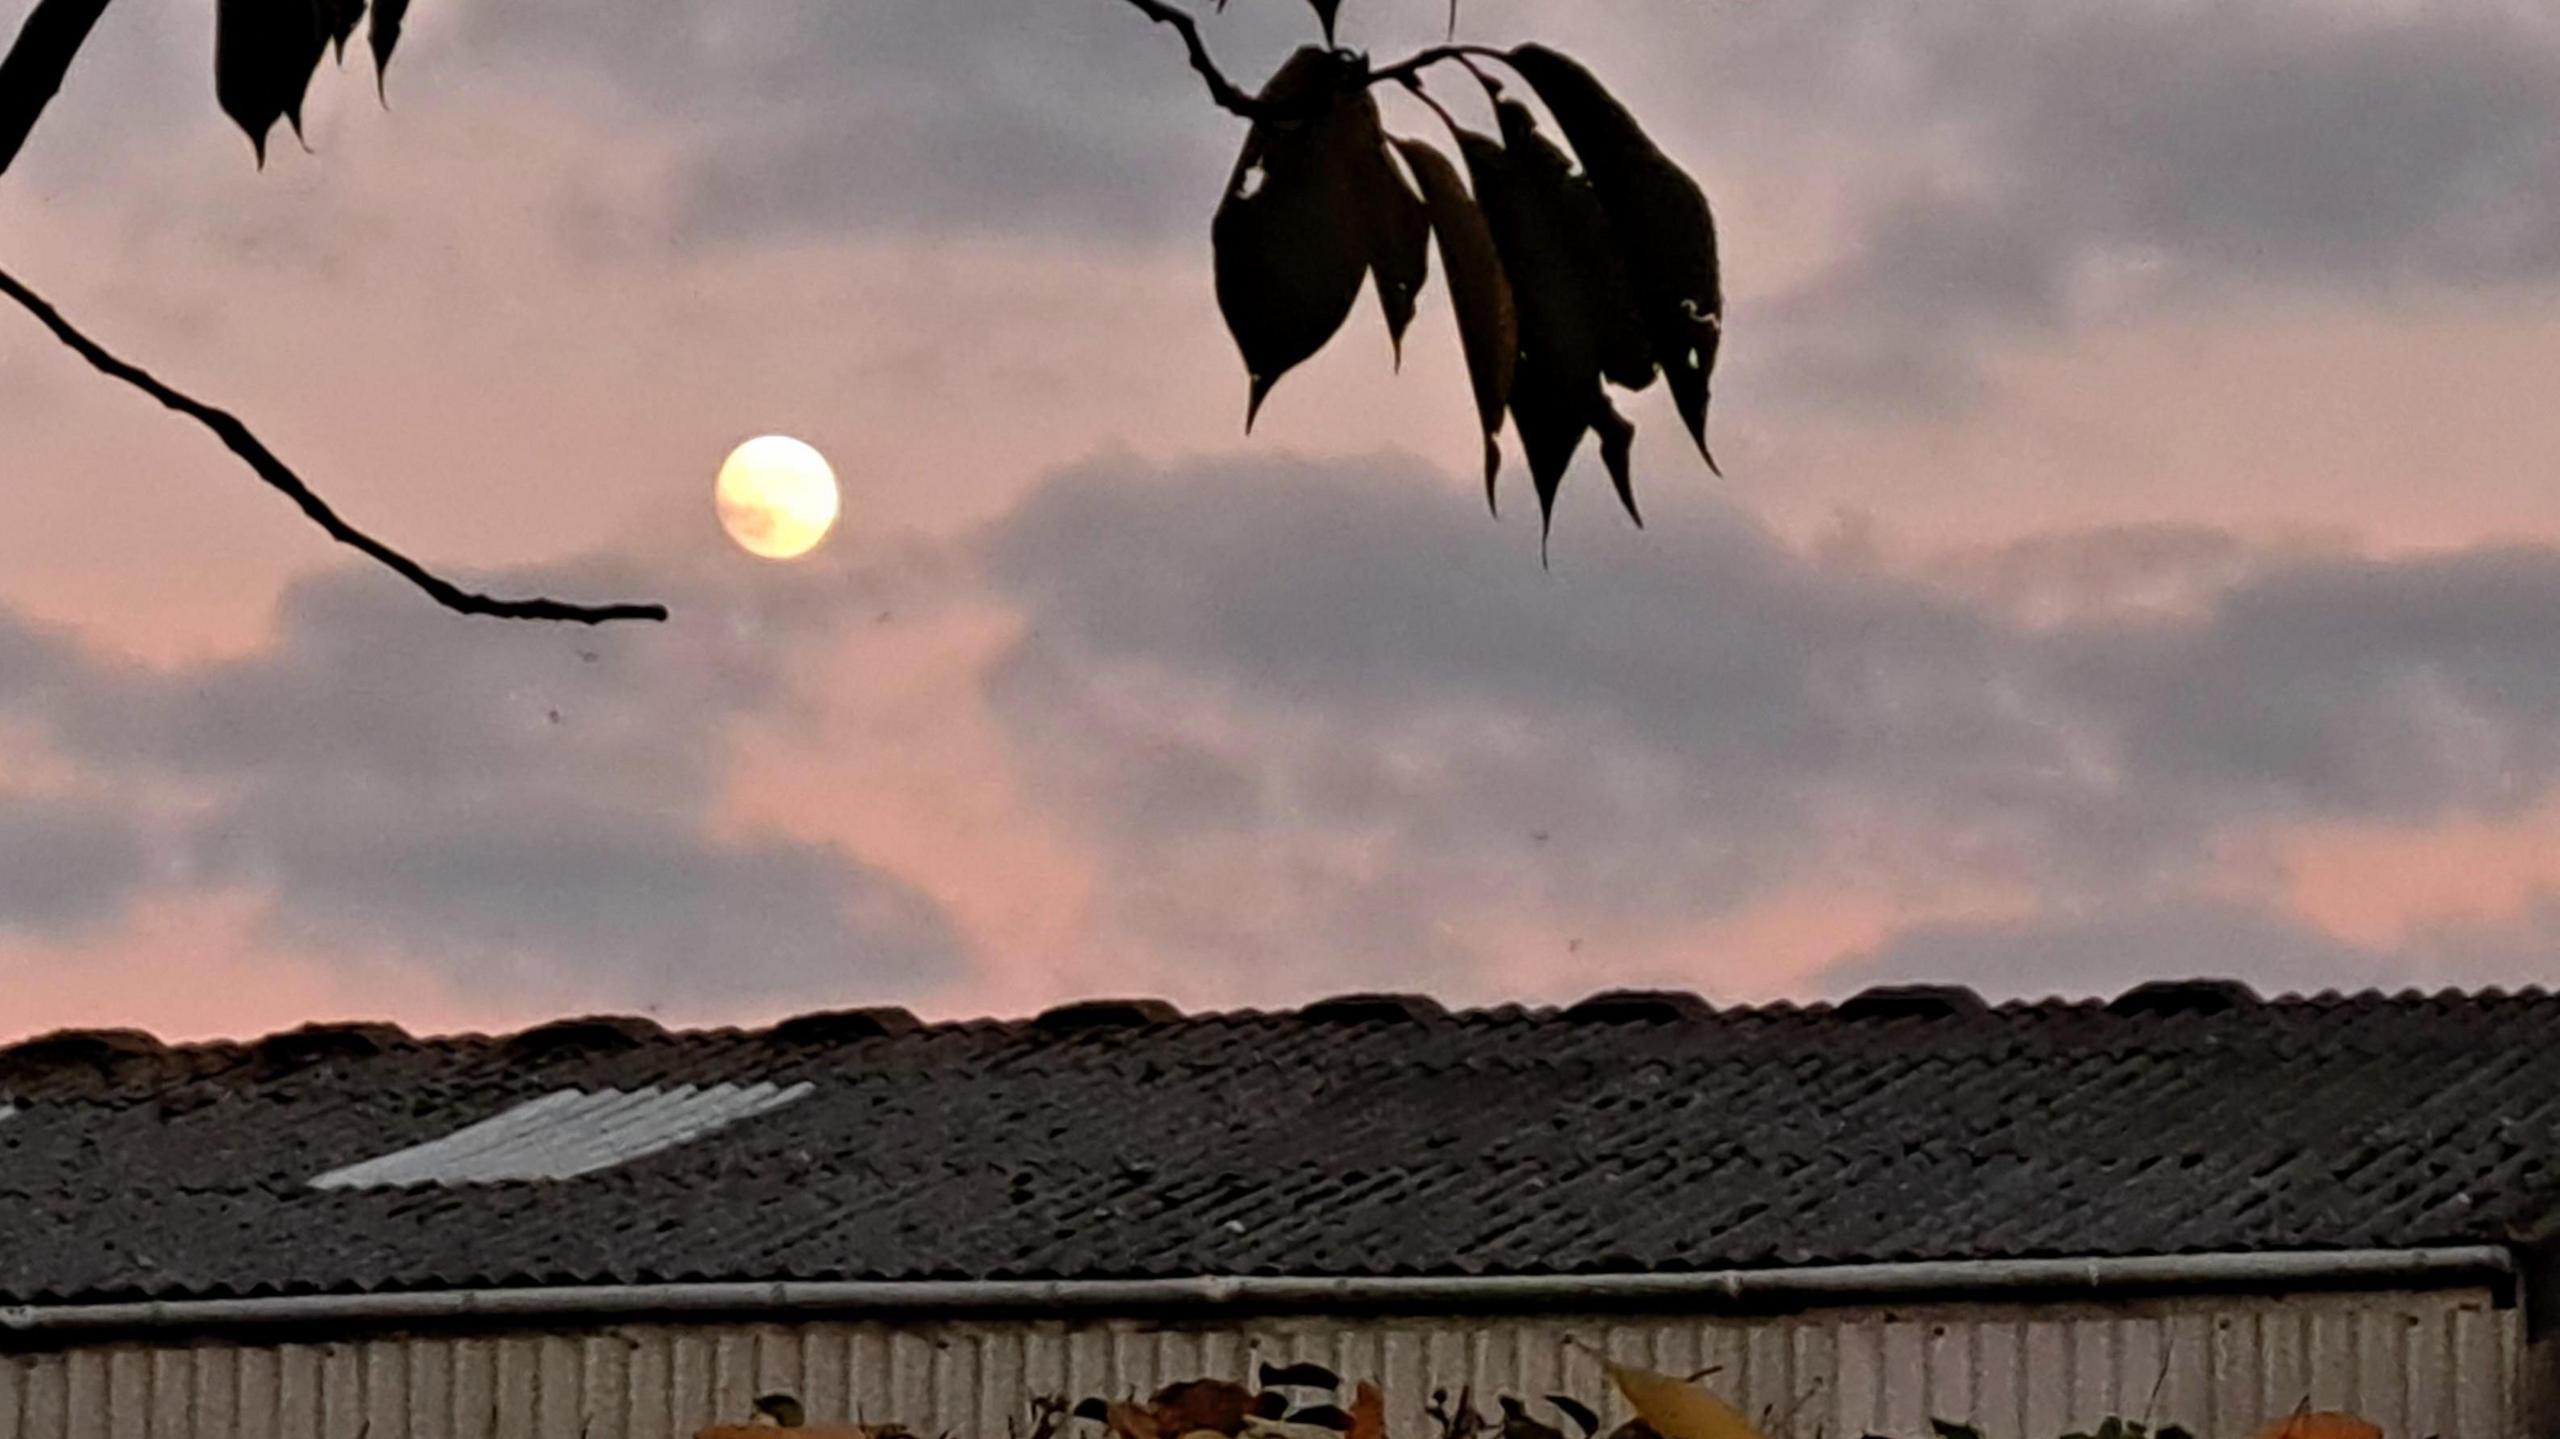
column 33, row 70
column 1235, row 100
column 236, row 437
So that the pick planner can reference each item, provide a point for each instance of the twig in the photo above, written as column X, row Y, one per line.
column 33, row 71
column 1221, row 89
column 1232, row 98
column 275, row 472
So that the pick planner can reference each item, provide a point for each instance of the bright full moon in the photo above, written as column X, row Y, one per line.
column 777, row 497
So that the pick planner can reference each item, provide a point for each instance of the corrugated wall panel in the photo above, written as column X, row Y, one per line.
column 2441, row 1366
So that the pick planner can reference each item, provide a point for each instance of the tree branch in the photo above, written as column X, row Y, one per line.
column 1232, row 97
column 33, row 71
column 1221, row 89
column 275, row 472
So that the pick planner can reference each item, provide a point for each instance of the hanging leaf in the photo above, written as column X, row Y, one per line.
column 1677, row 1409
column 1368, row 1412
column 1617, row 452
column 1325, row 11
column 339, row 18
column 263, row 54
column 1661, row 220
column 384, row 36
column 1216, row 1405
column 1588, row 241
column 1488, row 331
column 1557, row 369
column 1288, row 242
column 1399, row 245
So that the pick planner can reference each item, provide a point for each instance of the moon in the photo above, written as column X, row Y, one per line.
column 776, row 496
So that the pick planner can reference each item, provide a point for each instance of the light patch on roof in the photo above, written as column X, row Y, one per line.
column 564, row 1134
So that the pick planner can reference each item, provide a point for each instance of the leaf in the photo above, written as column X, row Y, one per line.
column 2320, row 1424
column 1301, row 1375
column 338, row 21
column 1663, row 225
column 1617, row 452
column 1216, row 1405
column 1289, row 247
column 1325, row 11
column 1677, row 1409
column 1368, row 1412
column 1092, row 1408
column 1488, row 329
column 1584, row 230
column 1579, row 1412
column 1324, row 1416
column 263, row 54
column 384, row 36
column 1399, row 245
column 1949, row 1429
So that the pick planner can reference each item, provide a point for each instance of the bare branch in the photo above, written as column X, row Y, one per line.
column 1232, row 98
column 1221, row 89
column 33, row 71
column 237, row 438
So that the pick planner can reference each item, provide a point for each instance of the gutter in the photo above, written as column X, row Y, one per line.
column 1834, row 1283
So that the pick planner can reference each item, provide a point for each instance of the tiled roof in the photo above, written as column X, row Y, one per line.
column 1357, row 1138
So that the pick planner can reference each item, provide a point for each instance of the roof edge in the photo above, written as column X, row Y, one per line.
column 2442, row 1266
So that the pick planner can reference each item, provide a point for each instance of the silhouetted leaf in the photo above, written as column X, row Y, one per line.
column 339, row 18
column 1270, row 1404
column 1301, row 1375
column 1325, row 11
column 1579, row 1412
column 384, row 36
column 263, row 54
column 1289, row 245
column 1617, row 452
column 1573, row 212
column 1488, row 330
column 1949, row 1429
column 1092, row 1408
column 1399, row 245
column 1661, row 220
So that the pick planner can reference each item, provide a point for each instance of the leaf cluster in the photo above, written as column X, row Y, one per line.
column 266, row 51
column 1569, row 274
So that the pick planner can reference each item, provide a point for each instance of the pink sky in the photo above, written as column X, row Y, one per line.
column 2137, row 518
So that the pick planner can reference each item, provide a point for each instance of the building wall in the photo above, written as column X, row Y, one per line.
column 2420, row 1365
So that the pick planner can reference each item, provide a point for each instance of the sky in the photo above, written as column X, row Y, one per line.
column 2138, row 552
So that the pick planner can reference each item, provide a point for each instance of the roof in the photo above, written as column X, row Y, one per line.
column 1367, row 1137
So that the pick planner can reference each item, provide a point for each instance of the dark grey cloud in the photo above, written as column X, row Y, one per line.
column 2081, row 158
column 65, row 868
column 1314, row 713
column 532, row 808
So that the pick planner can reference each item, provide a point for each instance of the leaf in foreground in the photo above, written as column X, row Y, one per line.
column 1661, row 220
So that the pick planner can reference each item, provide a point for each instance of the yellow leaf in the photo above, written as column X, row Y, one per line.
column 1678, row 1409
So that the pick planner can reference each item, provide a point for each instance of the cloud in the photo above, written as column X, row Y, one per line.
column 1330, row 719
column 533, row 809
column 2074, row 163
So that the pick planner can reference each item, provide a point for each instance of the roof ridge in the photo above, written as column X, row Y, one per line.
column 109, row 1046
